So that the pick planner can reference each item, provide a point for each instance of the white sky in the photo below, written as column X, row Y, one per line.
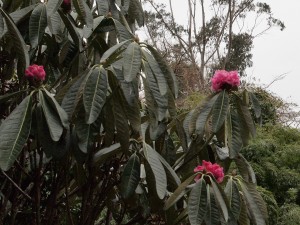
column 274, row 53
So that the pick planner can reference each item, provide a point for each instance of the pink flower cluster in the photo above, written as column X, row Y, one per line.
column 223, row 79
column 214, row 169
column 35, row 72
column 66, row 5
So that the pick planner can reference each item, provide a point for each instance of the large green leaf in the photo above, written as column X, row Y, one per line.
column 37, row 25
column 245, row 116
column 19, row 15
column 172, row 177
column 103, row 7
column 233, row 196
column 113, row 52
column 136, row 12
column 122, row 32
column 221, row 199
column 212, row 216
column 59, row 110
column 179, row 192
column 132, row 61
column 234, row 135
column 255, row 104
column 157, row 168
column 18, row 42
column 131, row 176
column 50, row 147
column 245, row 169
column 157, row 72
column 197, row 203
column 83, row 132
column 7, row 97
column 94, row 94
column 14, row 131
column 167, row 71
column 84, row 12
column 220, row 110
column 73, row 96
column 121, row 121
column 55, row 25
column 152, row 91
column 204, row 114
column 72, row 30
column 105, row 153
column 1, row 26
column 255, row 203
column 52, row 6
column 53, row 120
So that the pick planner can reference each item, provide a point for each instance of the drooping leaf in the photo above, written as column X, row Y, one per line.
column 171, row 174
column 37, row 25
column 59, row 110
column 18, row 42
column 84, row 12
column 130, row 177
column 212, row 215
column 103, row 7
column 136, row 13
column 255, row 203
column 55, row 24
column 157, row 169
column 233, row 195
column 234, row 135
column 1, row 26
column 51, row 148
column 83, row 132
column 167, row 71
column 72, row 30
column 122, row 32
column 132, row 61
column 220, row 110
column 94, row 94
column 132, row 105
column 245, row 169
column 52, row 6
column 178, row 193
column 203, row 116
column 103, row 154
column 197, row 203
column 73, row 96
column 220, row 198
column 160, row 105
column 19, row 15
column 113, row 52
column 7, row 97
column 255, row 104
column 53, row 120
column 14, row 131
column 245, row 116
column 156, row 70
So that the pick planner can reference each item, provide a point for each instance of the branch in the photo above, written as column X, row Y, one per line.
column 16, row 186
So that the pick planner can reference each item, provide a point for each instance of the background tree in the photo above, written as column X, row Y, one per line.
column 218, row 34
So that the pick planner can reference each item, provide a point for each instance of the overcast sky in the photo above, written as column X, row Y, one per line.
column 274, row 53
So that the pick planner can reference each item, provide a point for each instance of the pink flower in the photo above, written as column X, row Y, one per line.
column 223, row 79
column 212, row 169
column 35, row 72
column 66, row 5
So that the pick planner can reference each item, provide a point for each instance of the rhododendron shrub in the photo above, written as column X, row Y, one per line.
column 223, row 79
column 214, row 170
column 79, row 146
